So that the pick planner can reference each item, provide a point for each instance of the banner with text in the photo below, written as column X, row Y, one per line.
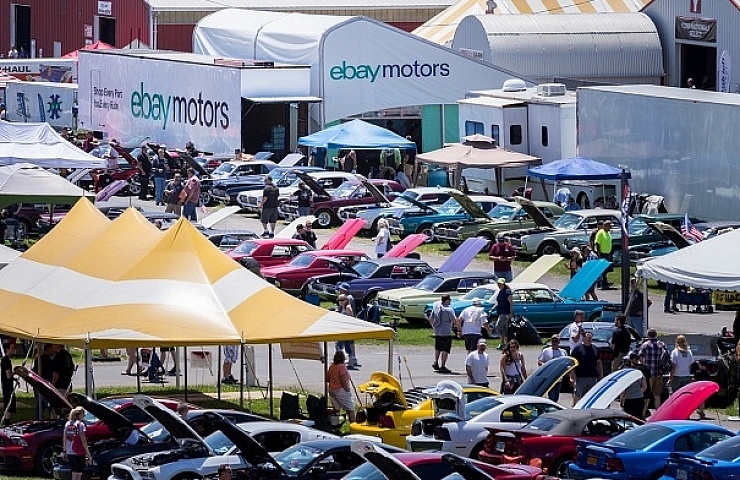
column 696, row 29
column 171, row 102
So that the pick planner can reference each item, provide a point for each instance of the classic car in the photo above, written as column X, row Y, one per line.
column 721, row 460
column 638, row 229
column 642, row 452
column 368, row 278
column 602, row 334
column 372, row 213
column 430, row 466
column 250, row 199
column 293, row 276
column 269, row 252
column 459, row 207
column 239, row 446
column 545, row 309
column 32, row 444
column 465, row 432
column 504, row 217
column 409, row 302
column 547, row 238
column 150, row 438
column 351, row 192
column 551, row 438
column 392, row 412
column 238, row 173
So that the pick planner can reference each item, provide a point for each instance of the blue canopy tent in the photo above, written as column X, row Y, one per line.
column 576, row 168
column 356, row 134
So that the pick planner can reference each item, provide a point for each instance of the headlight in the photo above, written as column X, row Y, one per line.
column 147, row 475
column 524, row 245
column 19, row 441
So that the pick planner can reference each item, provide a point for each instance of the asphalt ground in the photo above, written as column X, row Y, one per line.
column 410, row 363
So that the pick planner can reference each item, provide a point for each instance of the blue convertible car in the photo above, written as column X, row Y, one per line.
column 720, row 461
column 545, row 308
column 640, row 454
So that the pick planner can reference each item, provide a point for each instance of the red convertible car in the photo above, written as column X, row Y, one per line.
column 551, row 438
column 31, row 445
column 352, row 192
column 293, row 277
column 269, row 252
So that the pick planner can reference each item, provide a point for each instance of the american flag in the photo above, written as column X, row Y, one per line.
column 689, row 231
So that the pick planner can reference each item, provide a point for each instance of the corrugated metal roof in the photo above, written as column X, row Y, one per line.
column 291, row 5
column 585, row 46
column 441, row 28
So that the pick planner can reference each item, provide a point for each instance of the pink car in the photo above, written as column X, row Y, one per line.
column 293, row 276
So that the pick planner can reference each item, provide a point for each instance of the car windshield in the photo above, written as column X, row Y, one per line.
column 366, row 471
column 402, row 201
column 365, row 269
column 246, row 248
column 430, row 283
column 156, row 432
column 502, row 212
column 637, row 226
column 219, row 443
column 345, row 190
column 482, row 293
column 301, row 261
column 602, row 334
column 640, row 438
column 476, row 407
column 450, row 207
column 568, row 221
column 224, row 168
column 297, row 458
column 728, row 450
column 542, row 424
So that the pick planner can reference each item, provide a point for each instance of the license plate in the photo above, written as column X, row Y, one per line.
column 592, row 460
column 500, row 447
column 681, row 474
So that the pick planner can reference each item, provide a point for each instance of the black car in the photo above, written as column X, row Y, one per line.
column 602, row 333
column 132, row 441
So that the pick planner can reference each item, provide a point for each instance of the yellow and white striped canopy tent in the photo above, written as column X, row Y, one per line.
column 124, row 283
column 441, row 28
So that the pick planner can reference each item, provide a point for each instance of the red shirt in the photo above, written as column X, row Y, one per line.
column 502, row 250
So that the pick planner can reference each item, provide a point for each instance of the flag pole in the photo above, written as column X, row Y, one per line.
column 625, row 238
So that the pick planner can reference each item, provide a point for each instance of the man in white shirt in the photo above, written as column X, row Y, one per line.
column 476, row 365
column 469, row 324
column 575, row 331
column 547, row 354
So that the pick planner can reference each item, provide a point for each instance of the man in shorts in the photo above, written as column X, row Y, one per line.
column 229, row 360
column 269, row 208
column 442, row 319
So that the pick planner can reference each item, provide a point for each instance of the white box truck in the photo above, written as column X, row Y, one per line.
column 54, row 103
column 679, row 143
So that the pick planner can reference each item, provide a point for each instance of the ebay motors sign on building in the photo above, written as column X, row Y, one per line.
column 369, row 66
column 172, row 102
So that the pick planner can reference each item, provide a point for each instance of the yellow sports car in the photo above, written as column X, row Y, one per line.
column 393, row 411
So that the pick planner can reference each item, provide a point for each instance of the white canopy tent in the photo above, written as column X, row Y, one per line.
column 39, row 144
column 23, row 182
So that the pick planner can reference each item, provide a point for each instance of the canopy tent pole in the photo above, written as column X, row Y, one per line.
column 138, row 371
column 271, row 389
column 625, row 241
column 241, row 375
column 176, row 358
column 499, row 181
column 390, row 357
column 88, row 369
column 645, row 307
column 218, row 375
column 185, row 370
column 326, row 369
column 544, row 188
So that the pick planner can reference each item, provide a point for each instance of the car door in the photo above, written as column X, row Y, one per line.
column 539, row 306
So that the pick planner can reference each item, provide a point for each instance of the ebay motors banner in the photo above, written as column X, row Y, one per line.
column 398, row 70
column 170, row 102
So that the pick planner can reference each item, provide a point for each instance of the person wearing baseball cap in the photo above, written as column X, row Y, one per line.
column 476, row 364
column 503, row 254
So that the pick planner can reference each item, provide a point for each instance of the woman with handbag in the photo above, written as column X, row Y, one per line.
column 513, row 369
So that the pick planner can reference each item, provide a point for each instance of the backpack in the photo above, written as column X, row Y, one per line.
column 664, row 363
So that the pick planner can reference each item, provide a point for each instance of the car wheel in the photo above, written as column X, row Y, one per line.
column 134, row 188
column 548, row 248
column 616, row 256
column 205, row 197
column 426, row 229
column 44, row 462
column 476, row 451
column 369, row 298
column 560, row 468
column 324, row 218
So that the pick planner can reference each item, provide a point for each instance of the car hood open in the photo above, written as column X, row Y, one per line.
column 469, row 205
column 202, row 172
column 58, row 402
column 384, row 385
column 374, row 191
column 114, row 420
column 684, row 401
column 547, row 376
column 447, row 399
column 609, row 388
column 670, row 233
column 582, row 281
column 463, row 255
column 538, row 217
column 170, row 420
column 344, row 234
column 312, row 184
column 388, row 464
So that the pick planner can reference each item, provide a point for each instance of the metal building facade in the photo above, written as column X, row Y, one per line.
column 602, row 48
column 701, row 57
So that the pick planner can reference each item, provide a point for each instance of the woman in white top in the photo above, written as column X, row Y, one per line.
column 681, row 361
column 513, row 369
column 382, row 239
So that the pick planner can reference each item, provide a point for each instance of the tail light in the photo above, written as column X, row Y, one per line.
column 386, row 421
column 614, row 465
column 441, row 433
column 361, row 416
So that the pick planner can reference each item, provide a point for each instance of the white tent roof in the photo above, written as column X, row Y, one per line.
column 23, row 182
column 707, row 264
column 39, row 144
